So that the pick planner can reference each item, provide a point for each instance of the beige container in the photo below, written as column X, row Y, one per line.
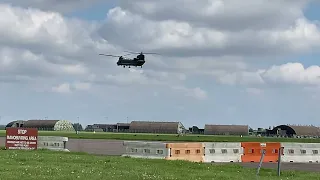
column 186, row 151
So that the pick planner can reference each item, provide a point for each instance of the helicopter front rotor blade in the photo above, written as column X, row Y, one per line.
column 108, row 55
column 131, row 52
column 140, row 52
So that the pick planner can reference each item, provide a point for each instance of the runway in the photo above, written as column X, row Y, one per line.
column 116, row 148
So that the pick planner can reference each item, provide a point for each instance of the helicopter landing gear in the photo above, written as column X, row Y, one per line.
column 141, row 66
column 124, row 66
column 129, row 67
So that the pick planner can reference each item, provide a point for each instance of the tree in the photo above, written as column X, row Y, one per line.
column 77, row 127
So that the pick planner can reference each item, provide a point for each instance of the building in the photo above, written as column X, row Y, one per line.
column 226, row 130
column 44, row 125
column 119, row 127
column 295, row 131
column 156, row 127
column 93, row 128
column 196, row 130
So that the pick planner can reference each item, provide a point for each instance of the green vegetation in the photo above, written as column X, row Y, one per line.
column 44, row 164
column 168, row 137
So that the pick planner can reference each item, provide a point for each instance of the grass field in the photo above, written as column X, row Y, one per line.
column 69, row 166
column 167, row 137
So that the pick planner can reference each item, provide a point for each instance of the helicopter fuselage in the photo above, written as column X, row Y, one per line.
column 130, row 62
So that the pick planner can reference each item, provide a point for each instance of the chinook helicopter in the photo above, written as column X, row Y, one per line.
column 123, row 61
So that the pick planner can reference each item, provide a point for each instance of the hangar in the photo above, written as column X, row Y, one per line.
column 156, row 127
column 295, row 131
column 44, row 125
column 226, row 129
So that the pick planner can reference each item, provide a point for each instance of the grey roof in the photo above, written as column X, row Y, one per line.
column 150, row 126
column 40, row 123
column 35, row 123
column 226, row 129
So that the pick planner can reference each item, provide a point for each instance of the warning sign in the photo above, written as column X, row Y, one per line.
column 21, row 138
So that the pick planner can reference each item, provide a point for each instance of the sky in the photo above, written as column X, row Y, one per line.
column 251, row 62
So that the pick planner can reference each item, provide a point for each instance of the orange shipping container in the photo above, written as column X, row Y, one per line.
column 252, row 151
column 186, row 151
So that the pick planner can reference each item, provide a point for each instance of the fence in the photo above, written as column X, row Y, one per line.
column 246, row 152
column 150, row 150
column 53, row 143
column 223, row 152
column 186, row 151
column 252, row 151
column 301, row 152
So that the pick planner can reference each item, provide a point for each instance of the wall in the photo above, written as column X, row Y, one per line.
column 211, row 152
column 150, row 150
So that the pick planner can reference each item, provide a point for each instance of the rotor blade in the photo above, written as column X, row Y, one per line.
column 132, row 52
column 140, row 52
column 152, row 53
column 108, row 55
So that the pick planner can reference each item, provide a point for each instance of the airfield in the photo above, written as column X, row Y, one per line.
column 102, row 146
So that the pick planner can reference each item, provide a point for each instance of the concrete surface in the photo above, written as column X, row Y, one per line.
column 96, row 146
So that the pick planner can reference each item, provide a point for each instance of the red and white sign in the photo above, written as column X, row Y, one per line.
column 21, row 138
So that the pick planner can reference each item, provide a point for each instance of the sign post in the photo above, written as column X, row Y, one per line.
column 21, row 138
column 279, row 160
column 261, row 160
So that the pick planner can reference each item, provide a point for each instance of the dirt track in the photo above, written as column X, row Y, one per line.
column 115, row 147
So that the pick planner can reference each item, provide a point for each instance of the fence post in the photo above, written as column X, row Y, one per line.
column 261, row 160
column 64, row 144
column 279, row 160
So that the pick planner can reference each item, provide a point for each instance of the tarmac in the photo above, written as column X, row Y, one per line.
column 116, row 148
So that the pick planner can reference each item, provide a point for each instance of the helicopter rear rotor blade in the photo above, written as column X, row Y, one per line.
column 152, row 53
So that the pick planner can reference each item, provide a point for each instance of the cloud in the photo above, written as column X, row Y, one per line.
column 62, row 88
column 202, row 39
column 69, row 88
column 196, row 93
column 293, row 73
column 254, row 91
column 289, row 73
column 175, row 32
column 224, row 15
column 65, row 6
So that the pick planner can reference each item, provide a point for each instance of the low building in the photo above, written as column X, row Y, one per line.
column 156, row 127
column 226, row 129
column 119, row 127
column 44, row 125
column 196, row 130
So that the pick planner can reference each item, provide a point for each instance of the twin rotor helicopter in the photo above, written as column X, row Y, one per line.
column 135, row 62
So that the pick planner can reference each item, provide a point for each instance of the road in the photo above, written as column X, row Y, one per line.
column 115, row 147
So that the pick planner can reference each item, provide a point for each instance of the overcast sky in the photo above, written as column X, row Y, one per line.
column 252, row 62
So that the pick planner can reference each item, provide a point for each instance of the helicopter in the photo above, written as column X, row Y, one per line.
column 123, row 61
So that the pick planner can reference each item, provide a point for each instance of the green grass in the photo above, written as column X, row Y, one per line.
column 69, row 166
column 168, row 137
